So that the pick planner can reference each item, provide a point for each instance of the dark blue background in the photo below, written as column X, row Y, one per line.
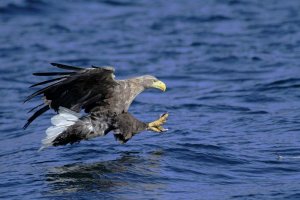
column 232, row 71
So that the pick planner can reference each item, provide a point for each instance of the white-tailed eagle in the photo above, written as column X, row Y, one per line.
column 104, row 99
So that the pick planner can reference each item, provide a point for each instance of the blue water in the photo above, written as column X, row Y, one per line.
column 233, row 74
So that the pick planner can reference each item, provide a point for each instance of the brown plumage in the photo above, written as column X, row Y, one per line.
column 94, row 90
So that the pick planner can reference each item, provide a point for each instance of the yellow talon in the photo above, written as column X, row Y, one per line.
column 156, row 125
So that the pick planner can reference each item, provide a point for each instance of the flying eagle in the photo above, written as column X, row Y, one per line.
column 105, row 100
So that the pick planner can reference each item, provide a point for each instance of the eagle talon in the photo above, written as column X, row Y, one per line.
column 156, row 125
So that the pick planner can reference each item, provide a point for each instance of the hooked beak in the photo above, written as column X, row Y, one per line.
column 159, row 85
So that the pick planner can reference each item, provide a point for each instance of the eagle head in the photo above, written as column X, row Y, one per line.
column 149, row 81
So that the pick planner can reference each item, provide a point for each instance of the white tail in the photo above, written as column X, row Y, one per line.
column 60, row 122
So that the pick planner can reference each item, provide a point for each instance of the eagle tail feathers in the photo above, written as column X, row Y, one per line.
column 60, row 122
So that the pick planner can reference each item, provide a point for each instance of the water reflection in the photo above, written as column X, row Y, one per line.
column 127, row 171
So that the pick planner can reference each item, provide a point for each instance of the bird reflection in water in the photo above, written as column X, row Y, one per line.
column 129, row 171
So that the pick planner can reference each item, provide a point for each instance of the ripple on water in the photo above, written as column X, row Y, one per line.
column 232, row 73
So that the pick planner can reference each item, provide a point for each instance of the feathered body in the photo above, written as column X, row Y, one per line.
column 105, row 100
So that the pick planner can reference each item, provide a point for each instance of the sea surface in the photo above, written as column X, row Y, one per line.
column 232, row 69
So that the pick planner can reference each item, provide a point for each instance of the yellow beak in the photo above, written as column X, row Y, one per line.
column 159, row 85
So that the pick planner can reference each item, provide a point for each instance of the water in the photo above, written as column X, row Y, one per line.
column 232, row 71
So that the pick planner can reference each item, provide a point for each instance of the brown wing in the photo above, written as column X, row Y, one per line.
column 80, row 88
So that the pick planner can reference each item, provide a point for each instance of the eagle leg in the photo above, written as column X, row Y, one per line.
column 156, row 125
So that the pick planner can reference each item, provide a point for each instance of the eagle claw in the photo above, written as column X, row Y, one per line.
column 156, row 125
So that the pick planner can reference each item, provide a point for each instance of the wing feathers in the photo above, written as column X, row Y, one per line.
column 80, row 88
column 40, row 92
column 53, row 73
column 48, row 81
column 67, row 67
column 35, row 115
column 32, row 109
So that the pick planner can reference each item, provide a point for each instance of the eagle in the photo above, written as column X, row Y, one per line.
column 104, row 100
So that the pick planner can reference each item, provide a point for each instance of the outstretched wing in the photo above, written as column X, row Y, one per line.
column 76, row 89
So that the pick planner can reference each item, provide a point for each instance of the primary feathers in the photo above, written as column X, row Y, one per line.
column 94, row 90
